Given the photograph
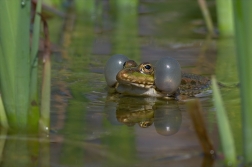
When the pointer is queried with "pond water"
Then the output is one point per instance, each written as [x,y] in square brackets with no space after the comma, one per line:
[89,127]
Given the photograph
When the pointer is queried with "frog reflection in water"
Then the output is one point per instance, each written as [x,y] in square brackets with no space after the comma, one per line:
[144,112]
[166,119]
[164,80]
[139,80]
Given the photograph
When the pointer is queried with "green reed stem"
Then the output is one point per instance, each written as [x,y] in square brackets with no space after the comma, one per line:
[225,17]
[45,97]
[226,136]
[207,16]
[46,83]
[3,117]
[3,134]
[243,34]
[226,63]
[34,101]
[15,60]
[127,15]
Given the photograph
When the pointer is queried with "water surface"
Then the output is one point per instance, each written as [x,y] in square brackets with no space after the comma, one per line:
[91,127]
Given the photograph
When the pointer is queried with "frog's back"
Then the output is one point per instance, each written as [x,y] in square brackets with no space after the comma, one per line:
[192,84]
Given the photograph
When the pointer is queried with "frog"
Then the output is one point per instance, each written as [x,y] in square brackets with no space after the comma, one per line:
[164,80]
[140,81]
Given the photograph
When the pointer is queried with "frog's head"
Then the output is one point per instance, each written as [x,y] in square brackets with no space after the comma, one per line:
[140,76]
[166,76]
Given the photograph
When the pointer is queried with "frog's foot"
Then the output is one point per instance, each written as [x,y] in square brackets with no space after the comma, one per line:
[185,97]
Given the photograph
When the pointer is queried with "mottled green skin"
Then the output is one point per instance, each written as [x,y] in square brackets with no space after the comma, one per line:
[192,84]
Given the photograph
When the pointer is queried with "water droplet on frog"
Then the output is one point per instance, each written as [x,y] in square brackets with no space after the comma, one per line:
[167,75]
[112,67]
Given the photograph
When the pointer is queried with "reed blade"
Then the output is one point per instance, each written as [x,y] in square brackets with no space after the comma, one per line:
[15,60]
[127,16]
[243,35]
[207,16]
[33,117]
[44,122]
[227,140]
[3,117]
[3,135]
[225,17]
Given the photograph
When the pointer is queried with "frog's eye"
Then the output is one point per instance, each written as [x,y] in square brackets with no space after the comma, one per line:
[147,68]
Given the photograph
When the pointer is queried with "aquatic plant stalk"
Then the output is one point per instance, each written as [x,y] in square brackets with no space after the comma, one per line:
[207,16]
[225,17]
[243,35]
[226,63]
[3,134]
[126,17]
[33,117]
[3,117]
[46,83]
[15,60]
[225,132]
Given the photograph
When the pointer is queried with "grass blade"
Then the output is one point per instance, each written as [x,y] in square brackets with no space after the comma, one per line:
[226,136]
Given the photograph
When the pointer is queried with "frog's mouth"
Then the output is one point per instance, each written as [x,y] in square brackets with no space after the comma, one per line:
[142,85]
[135,80]
[137,84]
